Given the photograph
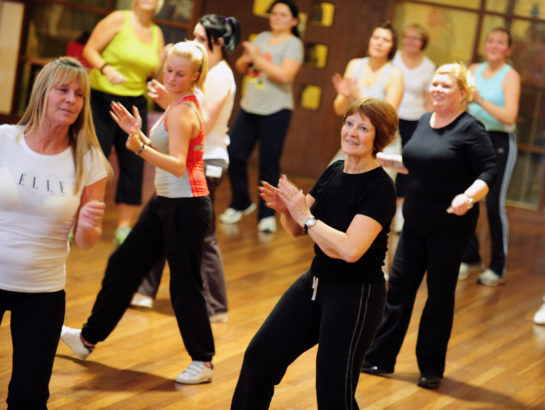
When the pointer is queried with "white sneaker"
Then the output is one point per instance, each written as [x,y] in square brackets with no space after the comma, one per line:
[467,269]
[219,318]
[267,225]
[196,373]
[142,301]
[490,278]
[539,317]
[232,216]
[72,337]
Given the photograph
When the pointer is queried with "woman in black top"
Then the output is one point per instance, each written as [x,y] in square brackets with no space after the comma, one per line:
[450,164]
[338,302]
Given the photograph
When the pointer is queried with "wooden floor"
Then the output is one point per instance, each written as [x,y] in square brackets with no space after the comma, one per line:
[496,356]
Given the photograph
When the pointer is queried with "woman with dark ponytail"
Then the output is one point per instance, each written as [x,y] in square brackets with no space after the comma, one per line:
[219,36]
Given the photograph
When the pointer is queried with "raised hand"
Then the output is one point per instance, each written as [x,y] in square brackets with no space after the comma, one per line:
[124,118]
[272,197]
[159,93]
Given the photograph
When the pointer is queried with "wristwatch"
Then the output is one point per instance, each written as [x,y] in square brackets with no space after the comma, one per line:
[311,221]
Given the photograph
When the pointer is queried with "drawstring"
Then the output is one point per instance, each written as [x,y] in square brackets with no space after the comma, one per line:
[314,287]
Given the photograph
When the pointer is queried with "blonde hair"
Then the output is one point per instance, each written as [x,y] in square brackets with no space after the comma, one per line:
[463,78]
[157,8]
[382,115]
[196,55]
[81,133]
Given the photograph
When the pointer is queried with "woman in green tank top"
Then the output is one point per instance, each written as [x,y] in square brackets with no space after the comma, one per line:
[125,49]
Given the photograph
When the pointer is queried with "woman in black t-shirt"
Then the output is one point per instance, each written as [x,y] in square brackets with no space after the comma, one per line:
[338,302]
[451,164]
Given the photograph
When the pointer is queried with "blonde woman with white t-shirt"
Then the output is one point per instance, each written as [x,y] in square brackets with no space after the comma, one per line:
[52,180]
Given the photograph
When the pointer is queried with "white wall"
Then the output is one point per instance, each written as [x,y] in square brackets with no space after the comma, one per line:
[11,21]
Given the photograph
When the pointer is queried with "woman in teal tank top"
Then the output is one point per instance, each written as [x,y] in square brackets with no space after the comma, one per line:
[125,49]
[496,105]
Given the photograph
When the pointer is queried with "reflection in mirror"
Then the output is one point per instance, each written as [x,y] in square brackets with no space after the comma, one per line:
[322,13]
[316,55]
[310,97]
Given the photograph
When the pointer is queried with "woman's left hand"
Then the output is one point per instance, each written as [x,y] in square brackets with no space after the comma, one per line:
[294,200]
[91,214]
[459,205]
[123,118]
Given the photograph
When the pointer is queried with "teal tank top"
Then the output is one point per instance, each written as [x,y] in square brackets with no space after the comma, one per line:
[491,90]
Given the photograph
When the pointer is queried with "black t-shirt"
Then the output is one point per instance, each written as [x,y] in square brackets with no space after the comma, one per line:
[443,163]
[338,198]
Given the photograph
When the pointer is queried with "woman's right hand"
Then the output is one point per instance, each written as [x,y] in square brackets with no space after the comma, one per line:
[272,197]
[113,76]
[158,92]
[345,86]
[123,118]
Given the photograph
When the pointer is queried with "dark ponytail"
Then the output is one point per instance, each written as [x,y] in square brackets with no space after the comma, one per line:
[227,28]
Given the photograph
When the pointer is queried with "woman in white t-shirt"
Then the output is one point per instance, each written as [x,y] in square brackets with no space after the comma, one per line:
[417,72]
[270,62]
[52,179]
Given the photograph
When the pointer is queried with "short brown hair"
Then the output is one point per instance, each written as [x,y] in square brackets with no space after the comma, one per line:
[382,115]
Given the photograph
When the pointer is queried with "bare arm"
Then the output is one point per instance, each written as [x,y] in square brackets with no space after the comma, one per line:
[182,126]
[284,73]
[394,87]
[243,62]
[88,226]
[346,87]
[393,161]
[102,34]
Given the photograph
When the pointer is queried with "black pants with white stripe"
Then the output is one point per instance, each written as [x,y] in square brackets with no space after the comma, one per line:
[505,146]
[342,320]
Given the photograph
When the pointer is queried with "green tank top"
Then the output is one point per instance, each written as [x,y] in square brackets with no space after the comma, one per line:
[133,58]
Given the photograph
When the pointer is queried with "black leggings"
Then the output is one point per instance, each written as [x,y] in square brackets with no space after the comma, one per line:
[342,321]
[438,253]
[248,129]
[36,322]
[174,227]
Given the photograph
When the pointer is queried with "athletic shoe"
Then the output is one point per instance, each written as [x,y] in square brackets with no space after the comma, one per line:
[467,269]
[490,278]
[72,337]
[142,301]
[218,318]
[267,225]
[539,317]
[121,234]
[232,216]
[196,373]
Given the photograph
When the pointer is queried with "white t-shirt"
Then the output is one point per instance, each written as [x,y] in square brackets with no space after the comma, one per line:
[416,82]
[37,210]
[219,82]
